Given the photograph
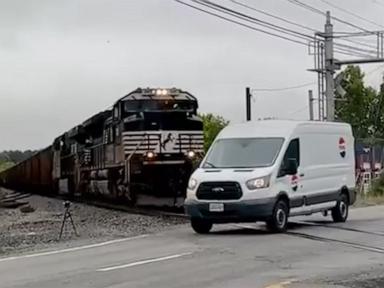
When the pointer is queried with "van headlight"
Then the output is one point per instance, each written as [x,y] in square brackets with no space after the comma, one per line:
[258,183]
[192,184]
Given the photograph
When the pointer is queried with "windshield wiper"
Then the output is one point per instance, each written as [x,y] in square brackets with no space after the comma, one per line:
[209,164]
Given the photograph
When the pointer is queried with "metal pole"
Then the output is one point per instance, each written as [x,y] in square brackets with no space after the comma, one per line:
[329,69]
[310,99]
[322,80]
[248,103]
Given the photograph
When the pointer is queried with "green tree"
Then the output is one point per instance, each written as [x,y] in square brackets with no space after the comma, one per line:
[4,165]
[357,105]
[16,156]
[213,124]
[377,114]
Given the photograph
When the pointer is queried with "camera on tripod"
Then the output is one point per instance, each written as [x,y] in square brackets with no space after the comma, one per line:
[67,215]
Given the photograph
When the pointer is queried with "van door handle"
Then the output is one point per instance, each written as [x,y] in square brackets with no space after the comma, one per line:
[302,175]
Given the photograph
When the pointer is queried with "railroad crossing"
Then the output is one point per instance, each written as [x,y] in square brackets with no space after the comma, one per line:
[315,253]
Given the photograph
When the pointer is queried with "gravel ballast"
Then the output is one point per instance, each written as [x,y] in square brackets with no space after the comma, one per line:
[21,232]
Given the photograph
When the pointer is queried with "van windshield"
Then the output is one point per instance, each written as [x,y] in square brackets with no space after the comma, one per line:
[243,153]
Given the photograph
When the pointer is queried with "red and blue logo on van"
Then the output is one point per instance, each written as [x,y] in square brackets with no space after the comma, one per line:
[342,147]
[294,182]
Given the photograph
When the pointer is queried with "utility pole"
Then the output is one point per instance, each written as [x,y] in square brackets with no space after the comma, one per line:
[326,64]
[310,99]
[248,97]
[329,69]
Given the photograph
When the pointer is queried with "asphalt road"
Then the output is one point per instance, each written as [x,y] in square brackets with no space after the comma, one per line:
[314,254]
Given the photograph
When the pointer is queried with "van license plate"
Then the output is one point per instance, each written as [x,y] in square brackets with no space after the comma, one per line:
[216,207]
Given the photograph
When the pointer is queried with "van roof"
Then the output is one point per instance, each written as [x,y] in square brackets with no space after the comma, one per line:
[279,128]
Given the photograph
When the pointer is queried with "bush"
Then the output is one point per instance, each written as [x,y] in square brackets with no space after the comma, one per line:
[377,188]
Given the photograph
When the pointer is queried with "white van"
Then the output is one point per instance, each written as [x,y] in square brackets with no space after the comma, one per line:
[270,170]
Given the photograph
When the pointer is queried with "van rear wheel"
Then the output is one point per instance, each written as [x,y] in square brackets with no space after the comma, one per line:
[278,223]
[341,211]
[201,226]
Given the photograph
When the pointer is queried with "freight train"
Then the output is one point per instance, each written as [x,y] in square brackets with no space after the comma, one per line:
[139,152]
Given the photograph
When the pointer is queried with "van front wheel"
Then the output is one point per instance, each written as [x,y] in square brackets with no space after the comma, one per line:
[279,221]
[201,226]
[340,212]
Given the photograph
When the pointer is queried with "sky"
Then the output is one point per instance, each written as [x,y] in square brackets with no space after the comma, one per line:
[63,61]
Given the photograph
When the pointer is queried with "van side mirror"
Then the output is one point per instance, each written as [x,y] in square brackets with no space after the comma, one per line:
[291,167]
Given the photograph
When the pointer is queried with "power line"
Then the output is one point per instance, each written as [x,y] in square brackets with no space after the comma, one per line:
[318,11]
[349,52]
[242,24]
[299,110]
[254,20]
[292,22]
[378,3]
[351,13]
[273,16]
[356,48]
[342,50]
[355,34]
[283,89]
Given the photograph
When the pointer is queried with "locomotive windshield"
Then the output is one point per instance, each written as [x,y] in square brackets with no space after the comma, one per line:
[159,105]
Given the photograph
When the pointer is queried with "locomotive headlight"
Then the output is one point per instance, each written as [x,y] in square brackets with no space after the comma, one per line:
[159,92]
[192,184]
[150,155]
[191,154]
[164,92]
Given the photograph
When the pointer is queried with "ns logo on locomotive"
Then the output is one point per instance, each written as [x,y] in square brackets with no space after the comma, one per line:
[141,151]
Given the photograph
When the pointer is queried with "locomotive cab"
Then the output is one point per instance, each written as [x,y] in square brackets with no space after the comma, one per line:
[162,139]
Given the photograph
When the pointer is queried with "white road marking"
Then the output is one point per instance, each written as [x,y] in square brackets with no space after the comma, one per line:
[143,262]
[48,253]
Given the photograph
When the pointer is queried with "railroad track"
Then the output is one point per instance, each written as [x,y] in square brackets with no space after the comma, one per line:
[310,223]
[309,236]
[342,242]
[12,199]
[150,211]
[102,203]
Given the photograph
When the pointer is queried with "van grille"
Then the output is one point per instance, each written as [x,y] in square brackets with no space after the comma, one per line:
[219,191]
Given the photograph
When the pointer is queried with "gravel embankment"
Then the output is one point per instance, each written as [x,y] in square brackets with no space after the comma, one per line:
[20,232]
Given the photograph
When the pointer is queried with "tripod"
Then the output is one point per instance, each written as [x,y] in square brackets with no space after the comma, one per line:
[67,215]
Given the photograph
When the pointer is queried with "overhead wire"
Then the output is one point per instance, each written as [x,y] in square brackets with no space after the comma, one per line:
[283,89]
[299,110]
[343,49]
[355,34]
[273,16]
[356,48]
[350,53]
[242,24]
[236,14]
[378,3]
[351,13]
[247,17]
[292,22]
[318,11]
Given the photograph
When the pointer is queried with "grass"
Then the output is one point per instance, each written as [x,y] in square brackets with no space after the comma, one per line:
[375,196]
[369,200]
